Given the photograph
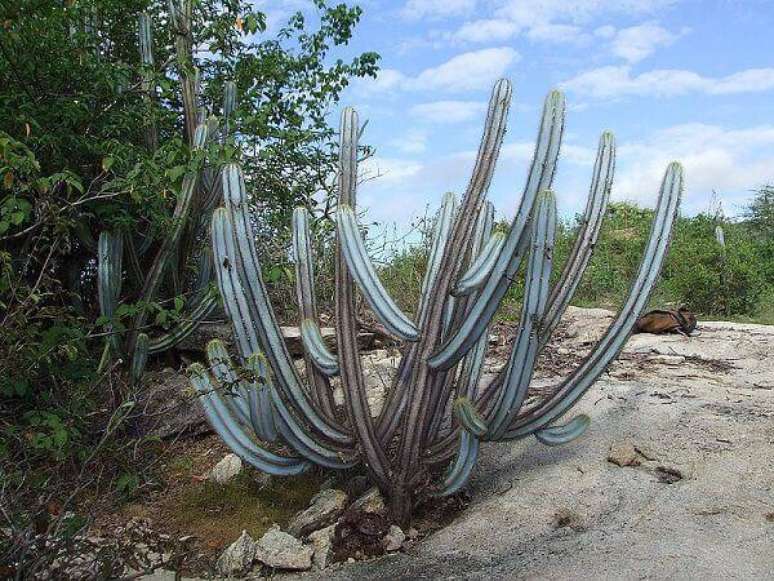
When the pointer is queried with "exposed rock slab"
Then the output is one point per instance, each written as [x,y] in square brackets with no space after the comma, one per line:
[324,508]
[699,505]
[280,550]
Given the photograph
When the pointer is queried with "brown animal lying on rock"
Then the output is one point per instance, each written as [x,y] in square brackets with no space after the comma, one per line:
[657,321]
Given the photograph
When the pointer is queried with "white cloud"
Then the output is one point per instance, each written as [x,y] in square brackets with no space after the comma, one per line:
[730,161]
[464,72]
[558,33]
[545,12]
[412,141]
[485,30]
[435,9]
[448,111]
[618,81]
[638,42]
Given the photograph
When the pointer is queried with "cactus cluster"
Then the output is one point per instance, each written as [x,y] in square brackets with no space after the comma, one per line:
[182,245]
[427,435]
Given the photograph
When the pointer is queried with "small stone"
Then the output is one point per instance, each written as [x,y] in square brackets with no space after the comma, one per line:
[413,534]
[322,541]
[238,558]
[324,508]
[623,454]
[226,470]
[371,502]
[283,551]
[394,538]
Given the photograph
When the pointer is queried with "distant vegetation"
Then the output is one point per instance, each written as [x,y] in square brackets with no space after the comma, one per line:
[735,282]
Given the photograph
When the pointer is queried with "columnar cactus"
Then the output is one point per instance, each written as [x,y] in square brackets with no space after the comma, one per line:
[436,413]
[199,195]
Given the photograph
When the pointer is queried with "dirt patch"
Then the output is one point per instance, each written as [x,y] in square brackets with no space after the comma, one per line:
[207,516]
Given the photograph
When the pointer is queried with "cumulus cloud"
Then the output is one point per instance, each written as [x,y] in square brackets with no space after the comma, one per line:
[731,161]
[485,30]
[618,81]
[448,111]
[638,42]
[463,72]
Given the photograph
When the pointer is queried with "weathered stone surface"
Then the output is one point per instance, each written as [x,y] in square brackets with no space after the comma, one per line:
[322,541]
[372,501]
[238,558]
[169,406]
[226,470]
[280,550]
[394,538]
[624,454]
[700,509]
[324,508]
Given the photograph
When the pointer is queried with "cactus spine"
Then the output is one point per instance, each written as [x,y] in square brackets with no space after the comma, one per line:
[469,271]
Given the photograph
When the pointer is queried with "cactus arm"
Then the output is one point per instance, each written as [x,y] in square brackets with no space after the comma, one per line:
[145,27]
[426,382]
[472,365]
[599,194]
[235,251]
[109,279]
[389,417]
[460,471]
[475,277]
[350,367]
[140,357]
[232,434]
[469,418]
[230,383]
[364,274]
[180,217]
[564,434]
[608,348]
[298,438]
[320,363]
[184,328]
[540,178]
[314,346]
[441,233]
[521,364]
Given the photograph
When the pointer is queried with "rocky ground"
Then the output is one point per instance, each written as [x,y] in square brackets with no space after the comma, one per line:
[674,479]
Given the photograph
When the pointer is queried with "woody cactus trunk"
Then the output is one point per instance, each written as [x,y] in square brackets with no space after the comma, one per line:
[426,437]
[157,271]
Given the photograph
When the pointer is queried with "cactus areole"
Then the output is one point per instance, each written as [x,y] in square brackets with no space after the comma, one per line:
[426,437]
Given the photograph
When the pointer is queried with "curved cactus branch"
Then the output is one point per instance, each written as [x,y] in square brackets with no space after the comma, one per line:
[608,348]
[540,178]
[223,423]
[247,305]
[355,396]
[314,346]
[184,327]
[599,194]
[109,279]
[564,434]
[460,471]
[140,357]
[521,364]
[320,363]
[469,418]
[475,277]
[365,276]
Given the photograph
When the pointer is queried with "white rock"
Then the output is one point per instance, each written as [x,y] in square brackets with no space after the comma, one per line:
[238,558]
[322,541]
[394,538]
[283,551]
[324,508]
[226,470]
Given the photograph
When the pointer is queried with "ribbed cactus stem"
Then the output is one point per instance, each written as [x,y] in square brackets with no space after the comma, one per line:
[599,194]
[540,178]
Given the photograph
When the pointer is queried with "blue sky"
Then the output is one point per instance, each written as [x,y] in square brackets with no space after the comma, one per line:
[691,80]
